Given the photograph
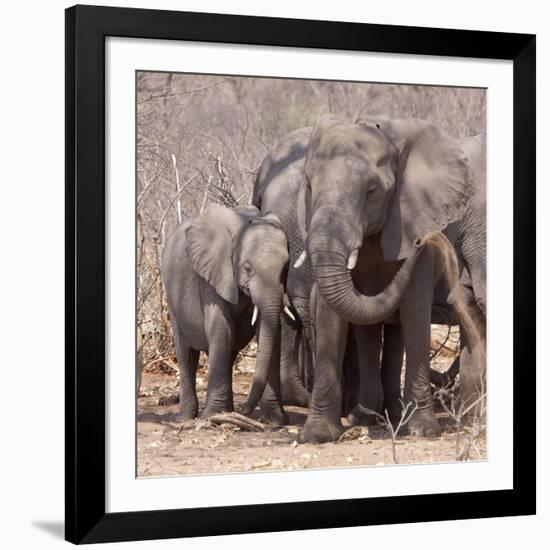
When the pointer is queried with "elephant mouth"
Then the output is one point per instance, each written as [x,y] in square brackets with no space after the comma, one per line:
[287,310]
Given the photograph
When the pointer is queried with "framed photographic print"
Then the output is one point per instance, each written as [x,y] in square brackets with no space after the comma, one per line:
[300,273]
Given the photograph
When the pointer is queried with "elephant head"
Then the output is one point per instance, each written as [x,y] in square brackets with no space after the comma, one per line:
[240,251]
[402,179]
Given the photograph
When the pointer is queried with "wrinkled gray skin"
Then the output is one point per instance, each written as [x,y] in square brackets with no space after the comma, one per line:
[276,190]
[215,268]
[369,194]
[471,249]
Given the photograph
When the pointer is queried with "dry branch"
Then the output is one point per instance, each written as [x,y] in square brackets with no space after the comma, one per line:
[236,419]
[174,198]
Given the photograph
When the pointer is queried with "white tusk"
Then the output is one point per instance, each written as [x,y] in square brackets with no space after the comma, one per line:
[254,315]
[301,259]
[352,260]
[289,313]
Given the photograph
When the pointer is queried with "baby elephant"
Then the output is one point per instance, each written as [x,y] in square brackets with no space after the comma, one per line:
[220,270]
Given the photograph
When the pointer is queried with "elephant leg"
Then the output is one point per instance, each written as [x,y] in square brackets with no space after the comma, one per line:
[188,360]
[271,409]
[219,394]
[472,371]
[472,383]
[350,376]
[292,389]
[371,396]
[323,423]
[221,355]
[415,313]
[392,365]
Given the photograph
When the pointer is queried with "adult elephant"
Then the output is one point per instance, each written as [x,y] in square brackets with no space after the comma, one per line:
[469,298]
[220,269]
[276,191]
[370,195]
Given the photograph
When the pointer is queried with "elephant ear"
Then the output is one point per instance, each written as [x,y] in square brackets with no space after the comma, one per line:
[433,184]
[273,219]
[210,244]
[249,212]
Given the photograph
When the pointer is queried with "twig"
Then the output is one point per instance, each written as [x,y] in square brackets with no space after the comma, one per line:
[178,188]
[152,97]
[457,415]
[168,360]
[201,210]
[239,420]
[406,415]
[163,219]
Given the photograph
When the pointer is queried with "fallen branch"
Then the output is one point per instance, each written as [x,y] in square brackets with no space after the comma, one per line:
[243,422]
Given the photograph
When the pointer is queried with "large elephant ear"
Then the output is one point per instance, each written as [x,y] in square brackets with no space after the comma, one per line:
[433,184]
[210,244]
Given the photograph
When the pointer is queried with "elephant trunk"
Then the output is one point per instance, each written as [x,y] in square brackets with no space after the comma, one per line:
[268,345]
[329,257]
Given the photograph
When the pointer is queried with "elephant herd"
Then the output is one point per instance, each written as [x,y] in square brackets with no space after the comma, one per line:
[360,235]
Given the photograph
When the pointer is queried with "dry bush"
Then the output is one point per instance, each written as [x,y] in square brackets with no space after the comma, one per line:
[201,139]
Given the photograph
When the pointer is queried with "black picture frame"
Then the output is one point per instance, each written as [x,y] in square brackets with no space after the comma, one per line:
[85,516]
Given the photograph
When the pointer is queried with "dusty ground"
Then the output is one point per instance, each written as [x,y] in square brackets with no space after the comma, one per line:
[198,447]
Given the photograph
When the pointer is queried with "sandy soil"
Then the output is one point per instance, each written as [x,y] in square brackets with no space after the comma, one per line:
[199,447]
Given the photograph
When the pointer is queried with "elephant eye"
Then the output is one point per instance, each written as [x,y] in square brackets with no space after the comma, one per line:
[247,267]
[383,160]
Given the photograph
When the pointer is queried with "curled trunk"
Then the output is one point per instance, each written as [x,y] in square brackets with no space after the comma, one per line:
[329,257]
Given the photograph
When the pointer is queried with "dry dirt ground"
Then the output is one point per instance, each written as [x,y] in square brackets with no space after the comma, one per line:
[166,447]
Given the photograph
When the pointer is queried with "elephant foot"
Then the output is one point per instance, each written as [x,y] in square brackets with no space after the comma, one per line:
[273,415]
[187,411]
[212,409]
[183,416]
[320,430]
[359,416]
[424,424]
[189,406]
[245,409]
[168,400]
[295,394]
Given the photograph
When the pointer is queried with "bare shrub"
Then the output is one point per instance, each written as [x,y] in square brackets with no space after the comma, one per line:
[467,435]
[201,139]
[384,419]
